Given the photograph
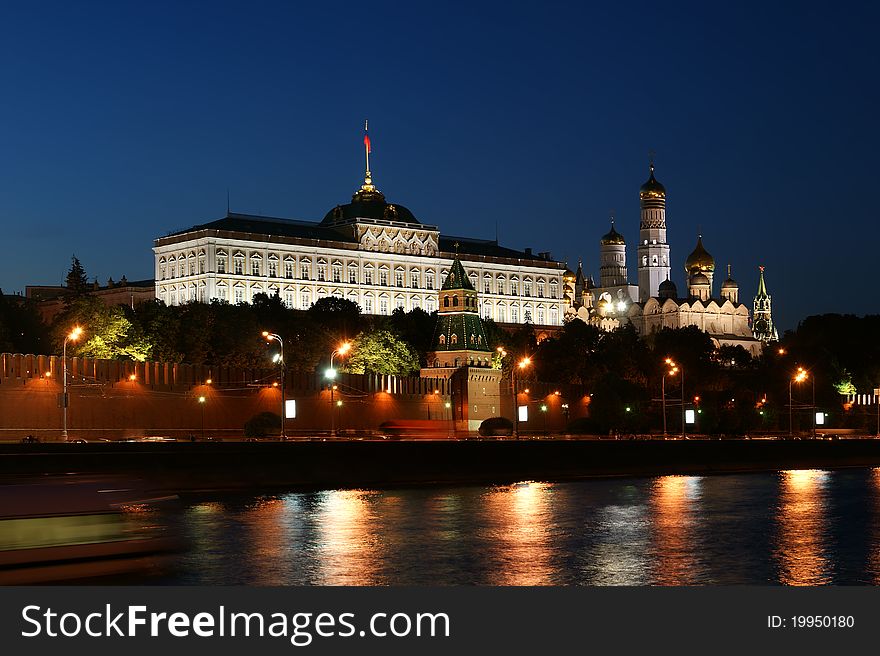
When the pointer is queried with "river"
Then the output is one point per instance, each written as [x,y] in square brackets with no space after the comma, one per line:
[805,527]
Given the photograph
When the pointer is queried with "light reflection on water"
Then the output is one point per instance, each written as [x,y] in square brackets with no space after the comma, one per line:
[793,528]
[802,528]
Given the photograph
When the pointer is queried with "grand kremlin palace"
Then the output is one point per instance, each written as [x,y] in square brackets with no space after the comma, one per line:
[369,251]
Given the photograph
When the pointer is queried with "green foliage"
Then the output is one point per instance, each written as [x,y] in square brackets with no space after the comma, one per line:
[107,331]
[845,384]
[382,352]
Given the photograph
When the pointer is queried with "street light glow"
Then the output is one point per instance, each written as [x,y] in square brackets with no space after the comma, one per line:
[343,349]
[75,333]
[201,399]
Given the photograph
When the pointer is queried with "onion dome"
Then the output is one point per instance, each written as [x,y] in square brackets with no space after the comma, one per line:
[613,237]
[667,289]
[568,275]
[652,188]
[699,260]
[730,283]
[699,279]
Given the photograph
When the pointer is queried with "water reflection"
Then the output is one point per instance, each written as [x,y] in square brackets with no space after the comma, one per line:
[802,527]
[620,524]
[519,520]
[673,502]
[349,547]
[793,527]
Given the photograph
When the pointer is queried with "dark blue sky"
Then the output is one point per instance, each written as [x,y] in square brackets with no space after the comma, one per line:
[121,123]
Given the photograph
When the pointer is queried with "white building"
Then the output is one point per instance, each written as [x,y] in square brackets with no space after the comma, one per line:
[374,253]
[655,304]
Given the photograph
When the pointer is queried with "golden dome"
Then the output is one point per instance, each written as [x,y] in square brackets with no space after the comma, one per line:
[652,188]
[613,237]
[699,260]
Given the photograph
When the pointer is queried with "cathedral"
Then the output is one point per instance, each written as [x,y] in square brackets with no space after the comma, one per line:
[655,302]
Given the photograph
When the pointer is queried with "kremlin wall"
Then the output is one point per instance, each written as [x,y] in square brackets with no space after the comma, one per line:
[112,399]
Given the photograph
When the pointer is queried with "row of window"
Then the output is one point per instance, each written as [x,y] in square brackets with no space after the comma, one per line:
[499,285]
[303,299]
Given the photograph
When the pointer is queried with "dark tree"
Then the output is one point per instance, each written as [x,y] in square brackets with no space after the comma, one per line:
[77,281]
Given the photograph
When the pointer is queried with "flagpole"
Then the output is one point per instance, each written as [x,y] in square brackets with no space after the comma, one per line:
[367,146]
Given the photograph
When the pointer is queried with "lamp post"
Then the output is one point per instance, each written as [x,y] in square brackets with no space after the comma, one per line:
[331,375]
[671,372]
[269,337]
[799,377]
[73,335]
[522,364]
[202,404]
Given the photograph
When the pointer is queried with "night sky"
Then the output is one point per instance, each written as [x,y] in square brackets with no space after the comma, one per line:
[119,124]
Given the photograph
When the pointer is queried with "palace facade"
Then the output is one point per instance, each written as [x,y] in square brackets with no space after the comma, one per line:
[369,251]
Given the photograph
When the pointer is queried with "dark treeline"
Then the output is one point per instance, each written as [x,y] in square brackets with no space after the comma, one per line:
[732,392]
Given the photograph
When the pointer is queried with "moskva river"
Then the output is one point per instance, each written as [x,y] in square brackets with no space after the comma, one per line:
[806,527]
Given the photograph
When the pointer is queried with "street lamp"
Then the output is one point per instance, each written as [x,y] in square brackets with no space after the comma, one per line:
[73,335]
[344,348]
[202,404]
[799,377]
[671,372]
[522,364]
[279,358]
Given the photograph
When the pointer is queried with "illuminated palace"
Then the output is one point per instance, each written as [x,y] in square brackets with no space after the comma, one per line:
[372,252]
[655,302]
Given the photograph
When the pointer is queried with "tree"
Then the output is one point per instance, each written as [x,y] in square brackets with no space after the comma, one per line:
[107,332]
[382,352]
[415,327]
[21,328]
[338,317]
[77,280]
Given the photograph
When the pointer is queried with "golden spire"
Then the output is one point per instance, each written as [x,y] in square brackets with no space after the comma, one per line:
[368,179]
[368,191]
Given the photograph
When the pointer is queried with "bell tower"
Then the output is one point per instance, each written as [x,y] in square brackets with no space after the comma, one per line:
[653,250]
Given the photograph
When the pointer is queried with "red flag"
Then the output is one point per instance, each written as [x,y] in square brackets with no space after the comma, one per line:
[367,143]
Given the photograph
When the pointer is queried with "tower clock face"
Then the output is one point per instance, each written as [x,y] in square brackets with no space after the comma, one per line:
[760,325]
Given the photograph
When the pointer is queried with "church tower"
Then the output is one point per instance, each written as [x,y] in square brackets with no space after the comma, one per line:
[612,259]
[729,289]
[653,250]
[762,324]
[459,338]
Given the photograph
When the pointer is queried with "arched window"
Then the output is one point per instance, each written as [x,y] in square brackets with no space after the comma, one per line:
[446,302]
[442,340]
[454,339]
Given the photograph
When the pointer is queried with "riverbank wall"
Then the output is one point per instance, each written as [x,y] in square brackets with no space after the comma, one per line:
[180,467]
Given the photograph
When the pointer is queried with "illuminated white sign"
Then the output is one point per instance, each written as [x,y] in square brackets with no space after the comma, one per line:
[523,413]
[290,409]
[820,418]
[690,417]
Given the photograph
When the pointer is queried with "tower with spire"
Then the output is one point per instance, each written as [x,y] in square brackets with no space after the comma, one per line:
[459,336]
[762,317]
[460,353]
[653,250]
